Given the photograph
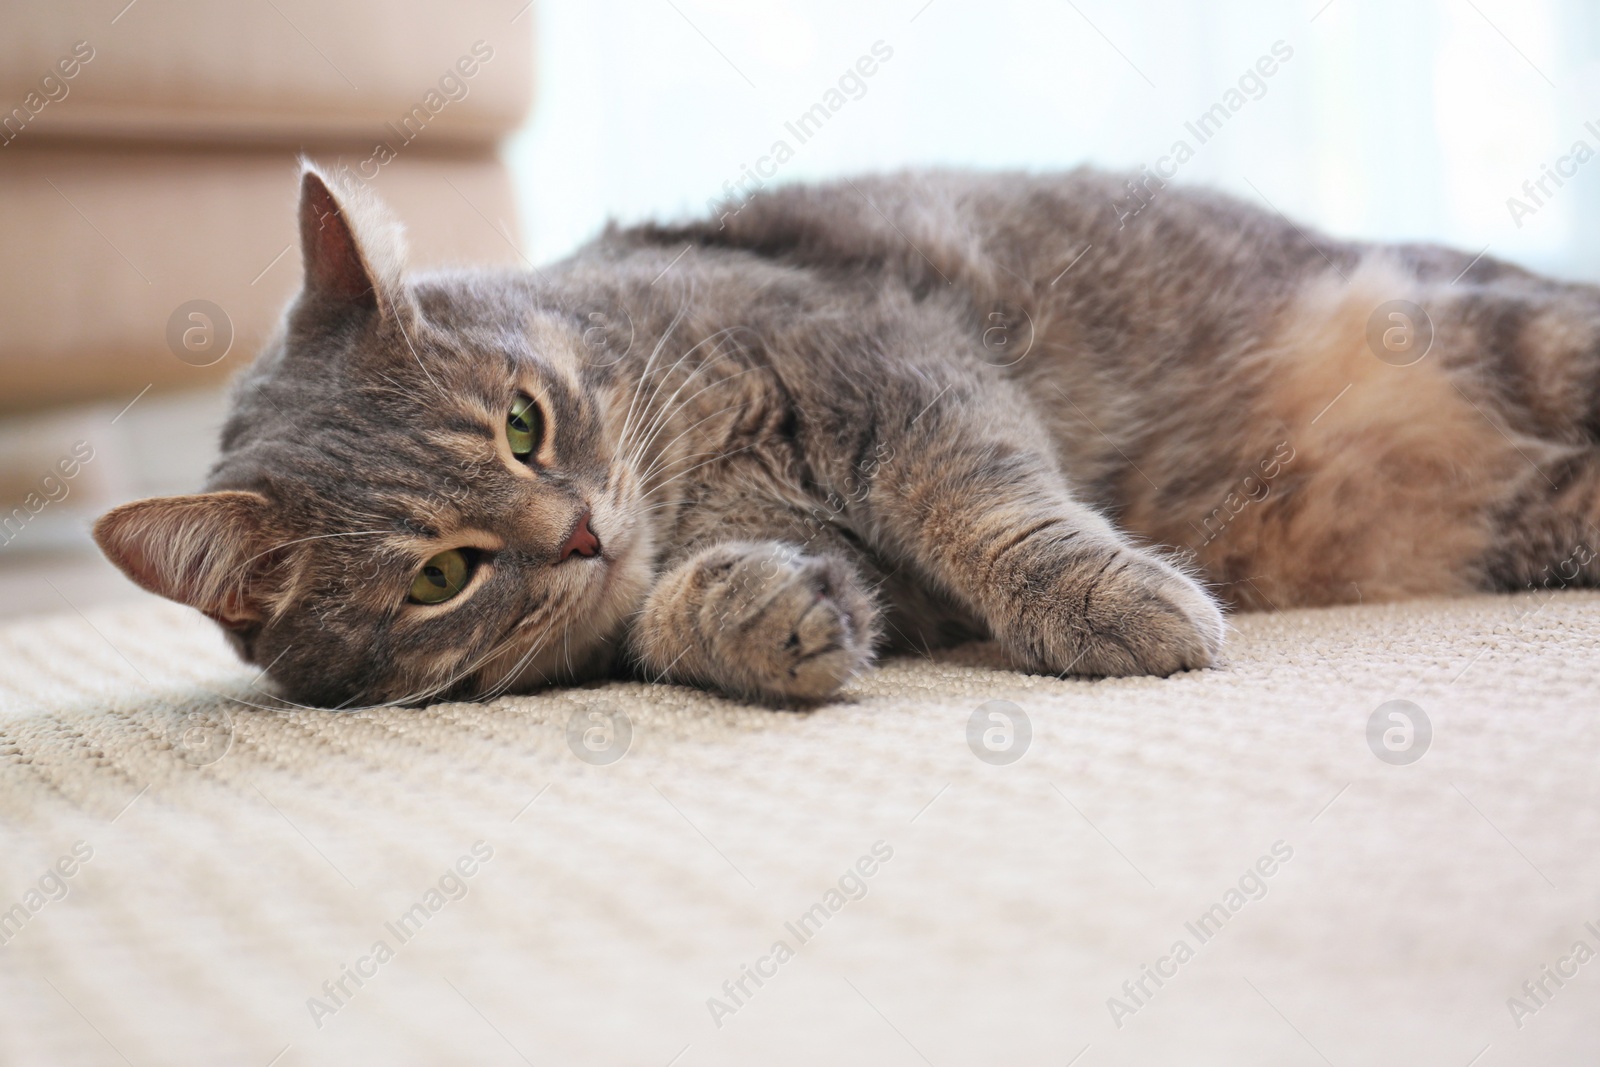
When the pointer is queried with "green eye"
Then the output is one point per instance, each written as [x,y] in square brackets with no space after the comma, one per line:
[524,427]
[441,578]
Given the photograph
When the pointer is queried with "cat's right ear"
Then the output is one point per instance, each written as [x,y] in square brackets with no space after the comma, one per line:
[205,550]
[352,249]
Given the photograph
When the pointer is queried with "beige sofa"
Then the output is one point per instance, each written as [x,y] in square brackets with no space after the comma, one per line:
[147,160]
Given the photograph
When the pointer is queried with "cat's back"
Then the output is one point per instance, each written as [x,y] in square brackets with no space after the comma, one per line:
[1061,236]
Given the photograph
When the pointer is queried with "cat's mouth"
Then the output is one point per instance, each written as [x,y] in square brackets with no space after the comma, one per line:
[613,563]
[542,651]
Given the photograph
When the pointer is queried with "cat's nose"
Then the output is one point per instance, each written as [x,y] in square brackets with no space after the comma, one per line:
[580,542]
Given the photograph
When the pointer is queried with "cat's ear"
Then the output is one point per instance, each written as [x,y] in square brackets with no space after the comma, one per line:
[201,550]
[352,248]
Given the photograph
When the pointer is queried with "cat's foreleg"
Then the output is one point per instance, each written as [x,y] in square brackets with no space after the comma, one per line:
[970,498]
[758,619]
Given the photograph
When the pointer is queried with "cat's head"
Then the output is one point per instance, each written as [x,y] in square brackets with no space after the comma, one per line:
[419,492]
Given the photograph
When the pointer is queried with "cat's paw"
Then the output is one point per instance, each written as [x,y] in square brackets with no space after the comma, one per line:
[1132,613]
[784,625]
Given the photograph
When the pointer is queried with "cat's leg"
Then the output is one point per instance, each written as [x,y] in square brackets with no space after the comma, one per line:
[1548,535]
[767,620]
[1527,352]
[966,494]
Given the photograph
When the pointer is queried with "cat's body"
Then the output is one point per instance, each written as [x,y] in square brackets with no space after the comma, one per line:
[902,410]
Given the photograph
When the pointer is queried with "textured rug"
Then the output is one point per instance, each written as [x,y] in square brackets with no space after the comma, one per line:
[1372,836]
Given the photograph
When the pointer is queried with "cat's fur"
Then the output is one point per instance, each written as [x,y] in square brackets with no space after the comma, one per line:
[896,411]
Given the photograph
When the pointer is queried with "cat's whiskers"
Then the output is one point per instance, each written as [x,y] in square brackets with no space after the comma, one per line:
[490,692]
[703,457]
[516,669]
[509,678]
[398,321]
[720,455]
[494,650]
[666,377]
[644,376]
[665,460]
[649,364]
[665,450]
[554,619]
[634,451]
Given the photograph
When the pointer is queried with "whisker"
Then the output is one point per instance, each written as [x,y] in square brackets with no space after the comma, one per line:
[644,375]
[420,365]
[510,677]
[638,453]
[697,466]
[666,378]
[665,460]
[665,466]
[458,675]
[666,375]
[419,697]
[559,622]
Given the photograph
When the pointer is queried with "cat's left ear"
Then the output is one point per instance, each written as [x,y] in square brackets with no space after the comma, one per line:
[210,550]
[352,248]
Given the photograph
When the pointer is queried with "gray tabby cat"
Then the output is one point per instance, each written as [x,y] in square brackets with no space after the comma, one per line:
[747,452]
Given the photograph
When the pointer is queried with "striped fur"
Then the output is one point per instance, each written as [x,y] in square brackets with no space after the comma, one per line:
[889,413]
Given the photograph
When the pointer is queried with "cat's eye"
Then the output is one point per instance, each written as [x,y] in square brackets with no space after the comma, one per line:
[524,427]
[441,578]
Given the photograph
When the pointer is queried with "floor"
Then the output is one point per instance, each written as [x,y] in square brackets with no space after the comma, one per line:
[964,865]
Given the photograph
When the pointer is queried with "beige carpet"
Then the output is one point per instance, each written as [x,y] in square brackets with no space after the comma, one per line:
[224,873]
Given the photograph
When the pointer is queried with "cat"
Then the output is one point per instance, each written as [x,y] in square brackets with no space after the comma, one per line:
[748,452]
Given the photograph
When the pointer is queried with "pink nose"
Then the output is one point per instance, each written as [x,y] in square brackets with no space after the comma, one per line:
[580,542]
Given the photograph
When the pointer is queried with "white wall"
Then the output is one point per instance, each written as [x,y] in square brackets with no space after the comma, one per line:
[1392,118]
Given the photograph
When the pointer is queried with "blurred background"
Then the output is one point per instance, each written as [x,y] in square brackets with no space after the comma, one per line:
[147,174]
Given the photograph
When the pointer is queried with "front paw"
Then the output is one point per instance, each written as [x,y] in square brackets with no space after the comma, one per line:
[1127,612]
[783,625]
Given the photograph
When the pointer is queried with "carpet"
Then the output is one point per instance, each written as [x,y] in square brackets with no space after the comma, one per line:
[1370,836]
